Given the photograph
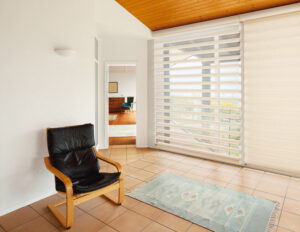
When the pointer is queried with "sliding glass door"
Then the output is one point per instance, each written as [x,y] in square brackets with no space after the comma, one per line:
[198,92]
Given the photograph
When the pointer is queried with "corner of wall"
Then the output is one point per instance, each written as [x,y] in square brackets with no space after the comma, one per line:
[151,102]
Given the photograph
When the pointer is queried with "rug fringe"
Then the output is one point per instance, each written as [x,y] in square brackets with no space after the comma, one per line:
[272,219]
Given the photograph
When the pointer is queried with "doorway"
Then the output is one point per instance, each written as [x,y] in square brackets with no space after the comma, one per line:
[121,104]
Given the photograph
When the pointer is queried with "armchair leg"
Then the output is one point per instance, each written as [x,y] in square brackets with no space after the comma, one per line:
[69,212]
[72,200]
[67,221]
[121,191]
[120,198]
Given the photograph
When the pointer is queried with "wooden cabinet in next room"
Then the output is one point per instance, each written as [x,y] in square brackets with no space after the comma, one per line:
[115,104]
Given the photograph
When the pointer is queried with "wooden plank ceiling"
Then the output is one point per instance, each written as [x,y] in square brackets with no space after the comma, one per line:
[162,14]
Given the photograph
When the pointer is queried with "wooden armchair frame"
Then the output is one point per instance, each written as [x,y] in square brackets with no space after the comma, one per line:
[75,199]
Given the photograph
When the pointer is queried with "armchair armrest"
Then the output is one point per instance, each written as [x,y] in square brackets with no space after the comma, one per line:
[65,179]
[116,164]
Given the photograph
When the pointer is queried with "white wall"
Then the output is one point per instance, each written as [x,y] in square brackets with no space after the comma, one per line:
[39,89]
[126,83]
[126,49]
[112,19]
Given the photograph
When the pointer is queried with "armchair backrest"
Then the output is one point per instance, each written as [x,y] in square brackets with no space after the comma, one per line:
[71,150]
[130,100]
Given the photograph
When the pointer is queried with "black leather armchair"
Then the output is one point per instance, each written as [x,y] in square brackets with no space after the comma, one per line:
[73,160]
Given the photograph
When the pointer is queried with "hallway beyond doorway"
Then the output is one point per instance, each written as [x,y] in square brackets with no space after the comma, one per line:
[126,118]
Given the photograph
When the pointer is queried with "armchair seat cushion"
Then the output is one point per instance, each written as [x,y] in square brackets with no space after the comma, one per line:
[90,183]
[126,106]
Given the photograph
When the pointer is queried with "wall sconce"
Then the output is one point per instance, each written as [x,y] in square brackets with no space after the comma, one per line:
[65,52]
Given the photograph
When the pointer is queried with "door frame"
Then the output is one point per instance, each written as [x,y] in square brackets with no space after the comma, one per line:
[108,64]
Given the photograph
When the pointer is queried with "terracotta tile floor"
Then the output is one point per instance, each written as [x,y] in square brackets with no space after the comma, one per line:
[142,165]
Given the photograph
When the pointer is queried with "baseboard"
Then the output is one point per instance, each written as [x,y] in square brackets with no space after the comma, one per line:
[3,212]
[141,146]
[98,147]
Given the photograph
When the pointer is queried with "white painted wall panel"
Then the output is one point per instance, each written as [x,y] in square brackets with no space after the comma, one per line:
[39,89]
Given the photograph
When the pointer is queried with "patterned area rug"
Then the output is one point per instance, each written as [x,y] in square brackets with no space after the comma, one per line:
[216,208]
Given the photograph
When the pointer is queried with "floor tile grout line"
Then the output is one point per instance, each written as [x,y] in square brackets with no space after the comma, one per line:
[93,206]
[119,217]
[155,165]
[269,193]
[111,227]
[147,226]
[187,229]
[258,182]
[55,229]
[1,227]
[135,177]
[52,223]
[140,168]
[151,221]
[88,213]
[296,214]
[163,211]
[39,215]
[42,215]
[156,218]
[285,229]
[255,189]
[282,205]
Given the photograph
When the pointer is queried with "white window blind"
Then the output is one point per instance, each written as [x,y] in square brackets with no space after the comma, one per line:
[198,91]
[272,93]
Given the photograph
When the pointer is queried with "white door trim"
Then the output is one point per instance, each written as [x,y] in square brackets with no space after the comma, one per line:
[96,76]
[107,64]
